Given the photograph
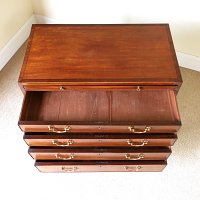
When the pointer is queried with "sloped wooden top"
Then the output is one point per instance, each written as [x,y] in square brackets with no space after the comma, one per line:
[128,54]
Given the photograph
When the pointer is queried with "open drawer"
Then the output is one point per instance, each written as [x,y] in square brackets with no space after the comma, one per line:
[127,111]
[100,166]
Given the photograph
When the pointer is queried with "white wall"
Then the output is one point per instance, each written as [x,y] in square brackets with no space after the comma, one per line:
[13,15]
[183,16]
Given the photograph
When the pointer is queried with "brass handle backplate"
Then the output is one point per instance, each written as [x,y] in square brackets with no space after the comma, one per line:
[65,157]
[129,157]
[69,169]
[62,144]
[133,130]
[135,168]
[135,144]
[57,130]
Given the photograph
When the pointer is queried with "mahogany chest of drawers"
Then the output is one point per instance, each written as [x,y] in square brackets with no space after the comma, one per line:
[100,97]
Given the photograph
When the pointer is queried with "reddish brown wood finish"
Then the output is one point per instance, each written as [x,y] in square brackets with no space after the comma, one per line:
[101,110]
[62,87]
[128,54]
[39,126]
[99,139]
[99,153]
[100,95]
[101,166]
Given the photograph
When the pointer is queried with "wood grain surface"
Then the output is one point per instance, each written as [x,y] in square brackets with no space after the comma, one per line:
[127,54]
[101,107]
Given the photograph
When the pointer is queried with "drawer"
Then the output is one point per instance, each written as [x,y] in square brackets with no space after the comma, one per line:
[100,111]
[100,166]
[99,153]
[99,139]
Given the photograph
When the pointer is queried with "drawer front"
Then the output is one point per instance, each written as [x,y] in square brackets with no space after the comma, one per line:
[138,129]
[81,139]
[87,153]
[100,166]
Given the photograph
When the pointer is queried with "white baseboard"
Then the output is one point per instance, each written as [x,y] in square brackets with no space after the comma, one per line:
[185,60]
[15,42]
[46,20]
[188,61]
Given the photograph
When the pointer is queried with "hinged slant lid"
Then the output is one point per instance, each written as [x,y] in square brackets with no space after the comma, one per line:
[126,54]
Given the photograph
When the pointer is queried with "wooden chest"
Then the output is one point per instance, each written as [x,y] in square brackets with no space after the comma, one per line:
[100,97]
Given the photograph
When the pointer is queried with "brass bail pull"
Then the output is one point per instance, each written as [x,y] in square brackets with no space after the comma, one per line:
[129,157]
[134,144]
[62,144]
[65,157]
[133,130]
[57,130]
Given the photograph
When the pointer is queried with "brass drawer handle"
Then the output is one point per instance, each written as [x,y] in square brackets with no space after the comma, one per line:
[132,129]
[134,144]
[62,144]
[139,157]
[69,169]
[56,130]
[64,157]
[136,168]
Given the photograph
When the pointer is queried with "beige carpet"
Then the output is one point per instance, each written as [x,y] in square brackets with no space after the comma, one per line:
[18,177]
